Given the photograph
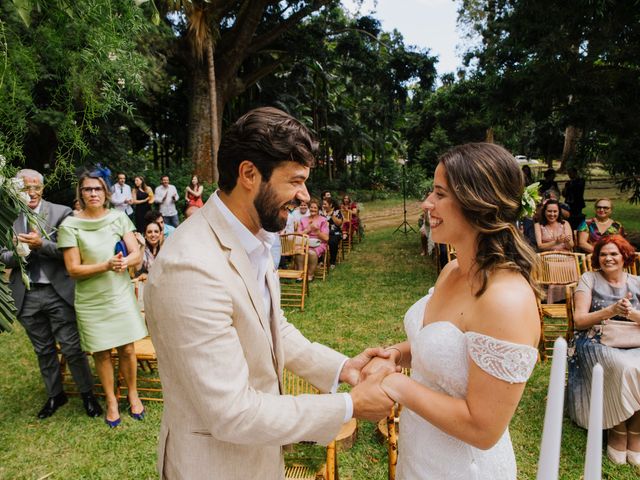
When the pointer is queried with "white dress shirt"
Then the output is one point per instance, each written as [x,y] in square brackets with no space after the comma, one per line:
[120,194]
[166,197]
[258,249]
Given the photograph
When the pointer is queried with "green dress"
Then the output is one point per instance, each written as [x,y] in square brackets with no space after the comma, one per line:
[106,307]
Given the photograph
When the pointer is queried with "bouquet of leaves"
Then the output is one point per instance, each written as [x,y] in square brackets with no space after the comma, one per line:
[13,202]
[530,200]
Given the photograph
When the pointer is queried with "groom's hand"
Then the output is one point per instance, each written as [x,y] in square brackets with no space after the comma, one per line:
[370,402]
[351,371]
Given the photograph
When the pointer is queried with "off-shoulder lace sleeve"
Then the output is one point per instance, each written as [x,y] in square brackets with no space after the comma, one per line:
[511,362]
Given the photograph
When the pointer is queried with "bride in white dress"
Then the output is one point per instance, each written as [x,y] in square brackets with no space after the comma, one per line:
[471,340]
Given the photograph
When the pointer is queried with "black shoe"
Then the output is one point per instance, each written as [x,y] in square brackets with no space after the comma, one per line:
[91,405]
[52,405]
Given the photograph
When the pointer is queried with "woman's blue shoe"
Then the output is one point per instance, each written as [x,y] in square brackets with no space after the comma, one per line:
[112,423]
[136,416]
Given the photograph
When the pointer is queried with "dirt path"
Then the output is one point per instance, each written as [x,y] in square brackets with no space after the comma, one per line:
[392,217]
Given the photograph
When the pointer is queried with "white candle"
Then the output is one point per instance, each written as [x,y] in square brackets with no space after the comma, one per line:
[593,460]
[549,461]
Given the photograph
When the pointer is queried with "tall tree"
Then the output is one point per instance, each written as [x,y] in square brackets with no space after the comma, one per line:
[235,38]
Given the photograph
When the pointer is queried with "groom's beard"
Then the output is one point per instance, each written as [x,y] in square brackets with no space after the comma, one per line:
[268,209]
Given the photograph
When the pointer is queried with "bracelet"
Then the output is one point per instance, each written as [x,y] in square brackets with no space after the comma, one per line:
[396,349]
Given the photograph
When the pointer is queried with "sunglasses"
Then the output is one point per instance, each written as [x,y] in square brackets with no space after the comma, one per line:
[598,207]
[33,188]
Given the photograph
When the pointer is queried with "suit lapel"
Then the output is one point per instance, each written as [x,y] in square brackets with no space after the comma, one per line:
[240,261]
[274,291]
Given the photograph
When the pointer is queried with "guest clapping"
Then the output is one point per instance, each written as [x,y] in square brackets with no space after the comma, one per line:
[106,309]
[317,228]
[193,193]
[608,293]
[553,232]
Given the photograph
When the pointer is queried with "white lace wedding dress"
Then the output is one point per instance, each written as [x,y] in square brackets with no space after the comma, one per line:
[440,360]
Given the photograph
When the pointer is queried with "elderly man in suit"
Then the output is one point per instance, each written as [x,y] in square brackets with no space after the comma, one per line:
[213,309]
[45,310]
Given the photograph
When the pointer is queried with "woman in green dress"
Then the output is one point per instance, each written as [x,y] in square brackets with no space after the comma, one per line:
[106,308]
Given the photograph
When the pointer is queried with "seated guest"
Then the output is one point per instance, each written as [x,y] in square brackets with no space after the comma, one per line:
[293,221]
[153,238]
[593,229]
[552,232]
[317,227]
[156,216]
[348,205]
[76,207]
[608,293]
[331,211]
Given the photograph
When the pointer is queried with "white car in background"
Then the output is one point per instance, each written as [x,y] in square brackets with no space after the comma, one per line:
[521,159]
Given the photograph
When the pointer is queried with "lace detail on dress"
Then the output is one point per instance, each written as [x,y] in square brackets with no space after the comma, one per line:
[506,361]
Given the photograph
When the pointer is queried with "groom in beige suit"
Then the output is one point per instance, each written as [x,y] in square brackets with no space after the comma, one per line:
[213,309]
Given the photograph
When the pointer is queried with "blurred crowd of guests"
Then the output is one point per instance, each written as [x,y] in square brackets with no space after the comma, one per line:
[80,263]
[326,222]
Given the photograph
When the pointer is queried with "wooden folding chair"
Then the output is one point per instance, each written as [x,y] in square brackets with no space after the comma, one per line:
[322,269]
[294,283]
[388,430]
[557,268]
[347,236]
[309,470]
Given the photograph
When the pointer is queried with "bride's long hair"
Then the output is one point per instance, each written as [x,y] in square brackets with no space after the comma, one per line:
[488,183]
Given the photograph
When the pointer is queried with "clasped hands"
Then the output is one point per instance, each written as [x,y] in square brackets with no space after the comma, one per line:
[366,372]
[118,263]
[623,307]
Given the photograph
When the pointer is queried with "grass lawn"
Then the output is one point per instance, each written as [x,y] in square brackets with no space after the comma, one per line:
[362,304]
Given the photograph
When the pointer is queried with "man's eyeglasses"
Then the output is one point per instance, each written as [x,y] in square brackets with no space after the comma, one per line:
[33,188]
[92,189]
[599,207]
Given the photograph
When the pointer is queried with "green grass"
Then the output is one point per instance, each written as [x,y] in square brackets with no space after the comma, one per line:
[362,304]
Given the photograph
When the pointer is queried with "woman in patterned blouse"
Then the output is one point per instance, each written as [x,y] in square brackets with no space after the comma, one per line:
[593,229]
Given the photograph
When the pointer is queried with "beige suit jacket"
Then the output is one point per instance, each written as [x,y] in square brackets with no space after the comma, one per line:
[221,359]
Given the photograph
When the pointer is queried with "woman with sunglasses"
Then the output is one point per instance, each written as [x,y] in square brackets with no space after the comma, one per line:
[106,308]
[594,229]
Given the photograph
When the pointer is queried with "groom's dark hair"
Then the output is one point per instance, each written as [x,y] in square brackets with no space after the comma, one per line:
[266,137]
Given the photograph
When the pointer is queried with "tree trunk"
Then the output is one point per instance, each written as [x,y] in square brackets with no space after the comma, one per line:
[571,137]
[213,112]
[200,139]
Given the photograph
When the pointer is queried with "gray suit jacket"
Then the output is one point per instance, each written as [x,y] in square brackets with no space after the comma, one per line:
[48,257]
[221,358]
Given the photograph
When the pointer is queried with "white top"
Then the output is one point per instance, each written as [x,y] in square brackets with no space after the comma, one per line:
[166,197]
[440,354]
[120,194]
[293,218]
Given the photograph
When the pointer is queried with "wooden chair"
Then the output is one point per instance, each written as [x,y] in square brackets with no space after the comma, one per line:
[322,269]
[557,268]
[328,470]
[293,282]
[347,237]
[388,430]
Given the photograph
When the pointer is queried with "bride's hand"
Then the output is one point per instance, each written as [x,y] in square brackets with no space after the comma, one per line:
[392,385]
[351,372]
[377,364]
